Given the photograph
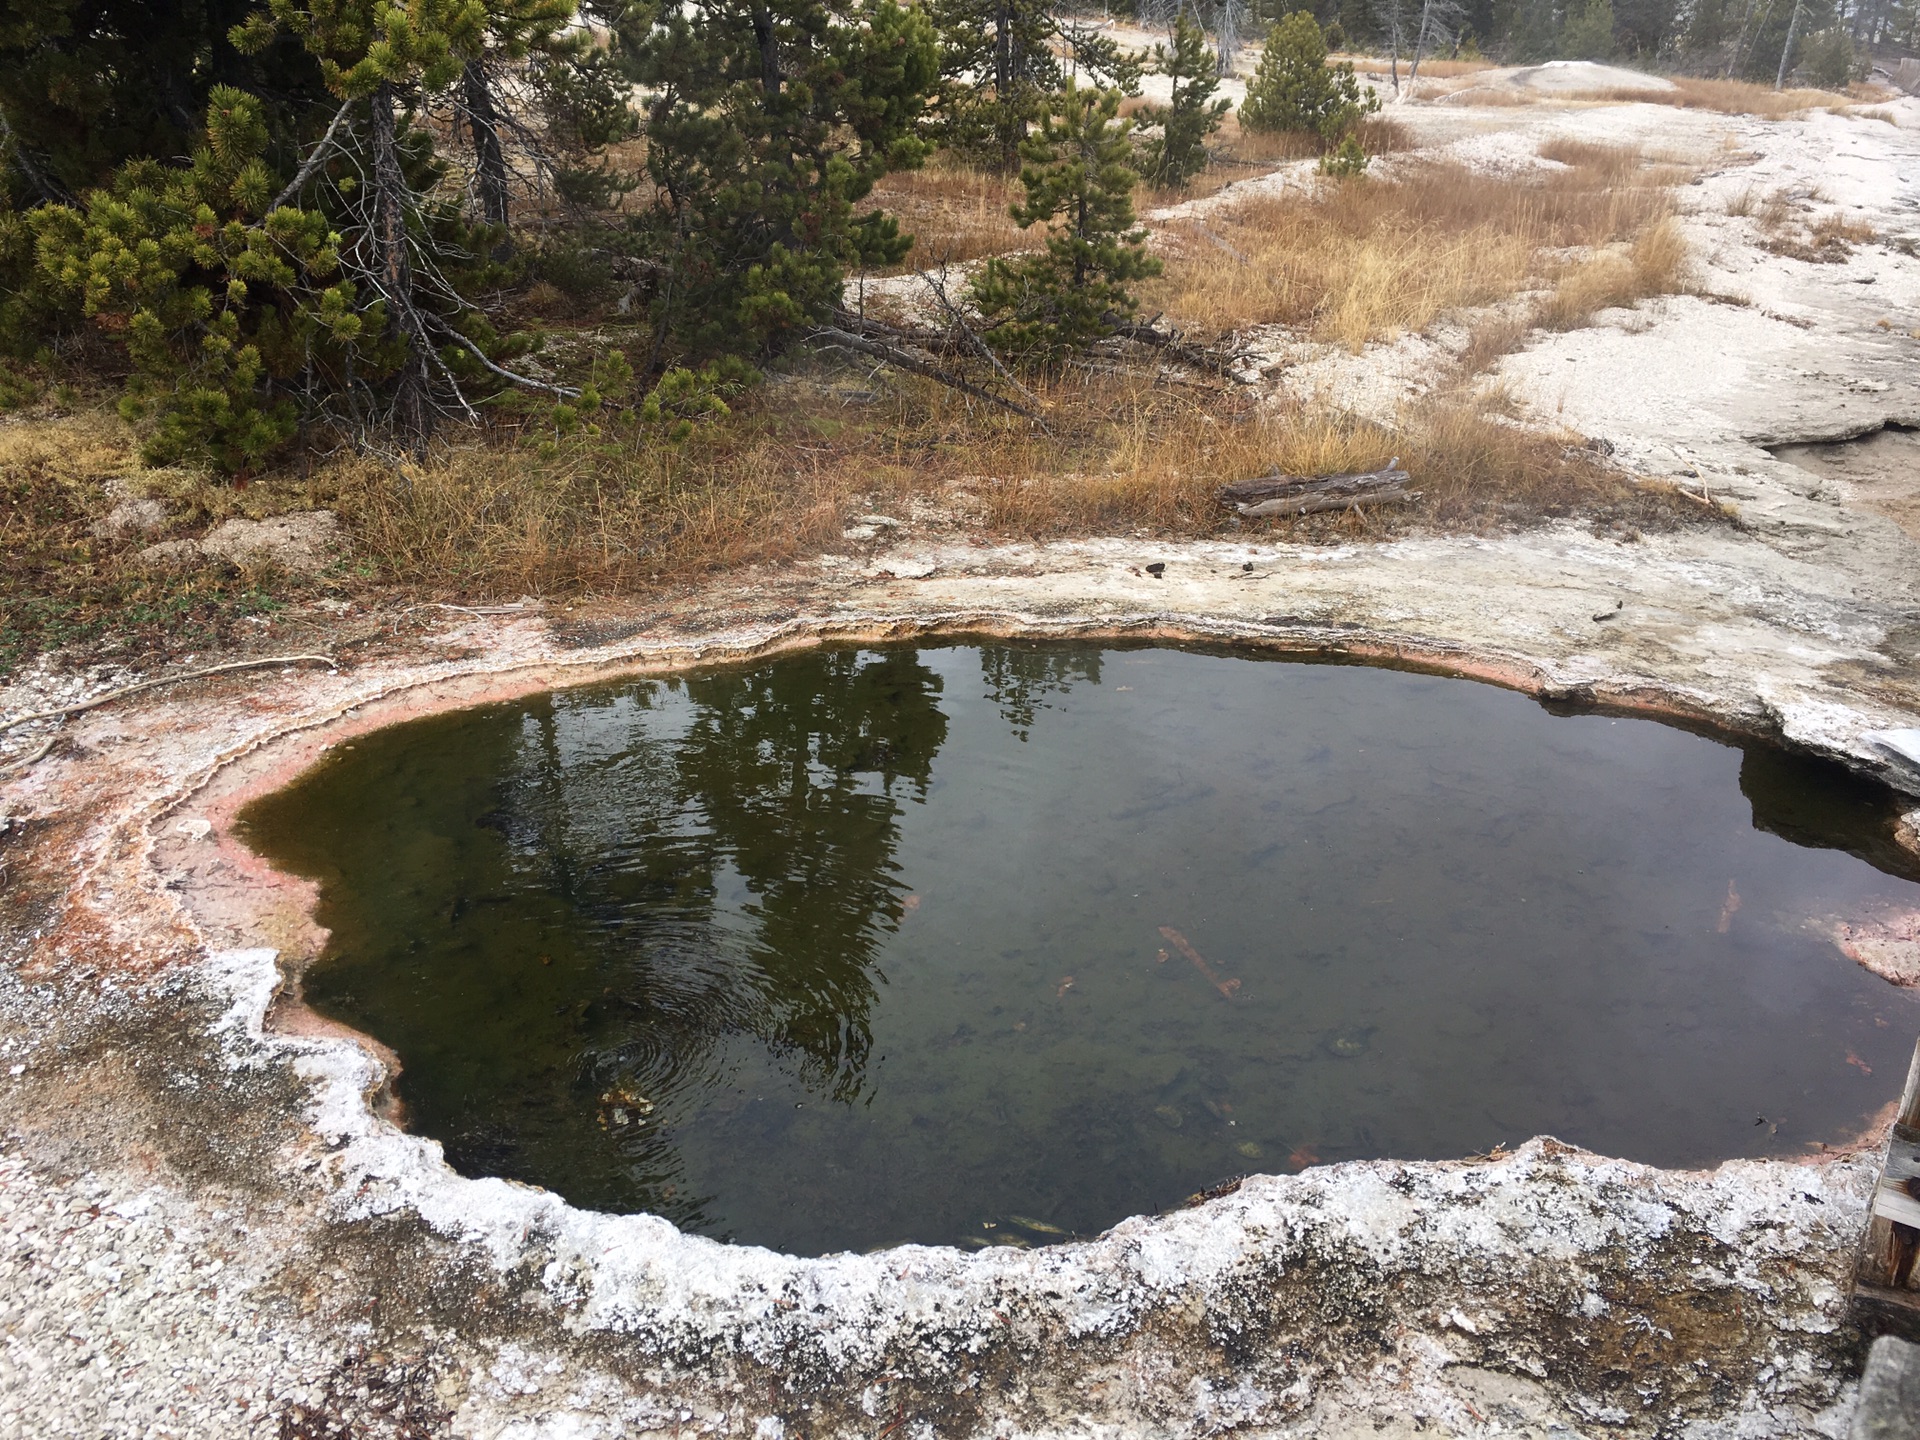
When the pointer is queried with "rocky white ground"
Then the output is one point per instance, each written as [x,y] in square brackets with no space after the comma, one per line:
[206,1231]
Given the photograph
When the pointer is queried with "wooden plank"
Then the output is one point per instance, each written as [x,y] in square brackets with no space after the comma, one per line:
[1886,1289]
[1880,1311]
[1909,1115]
[1903,1158]
[1893,1201]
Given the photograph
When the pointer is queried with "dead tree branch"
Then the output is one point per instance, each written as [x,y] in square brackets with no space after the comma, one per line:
[315,158]
[957,323]
[1176,345]
[51,191]
[915,364]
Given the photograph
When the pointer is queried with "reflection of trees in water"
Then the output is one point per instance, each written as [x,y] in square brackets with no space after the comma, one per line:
[785,782]
[1020,677]
[797,768]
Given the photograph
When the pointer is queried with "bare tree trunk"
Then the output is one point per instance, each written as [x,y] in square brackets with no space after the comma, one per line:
[489,161]
[1786,50]
[412,404]
[1012,131]
[1227,33]
[769,46]
[1419,43]
[1393,39]
[1739,40]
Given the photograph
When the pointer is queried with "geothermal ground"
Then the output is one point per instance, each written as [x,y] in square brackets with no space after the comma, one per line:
[208,1230]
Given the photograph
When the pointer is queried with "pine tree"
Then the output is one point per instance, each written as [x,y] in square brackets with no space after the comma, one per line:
[515,30]
[205,285]
[1079,182]
[1531,29]
[1644,28]
[1827,58]
[998,66]
[385,62]
[259,280]
[1295,90]
[1587,32]
[1179,151]
[86,85]
[768,121]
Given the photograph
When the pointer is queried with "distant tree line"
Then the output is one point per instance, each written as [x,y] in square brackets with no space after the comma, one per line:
[1742,39]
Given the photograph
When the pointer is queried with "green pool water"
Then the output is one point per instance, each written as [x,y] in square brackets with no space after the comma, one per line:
[996,943]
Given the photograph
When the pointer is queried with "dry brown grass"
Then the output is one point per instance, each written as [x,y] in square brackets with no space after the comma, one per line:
[624,512]
[1126,454]
[1729,97]
[1369,261]
[1236,147]
[1839,228]
[1790,225]
[955,213]
[62,584]
[1238,154]
[1653,264]
[1496,96]
[497,518]
[1166,461]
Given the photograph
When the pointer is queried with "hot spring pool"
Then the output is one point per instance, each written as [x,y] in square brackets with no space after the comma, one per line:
[997,943]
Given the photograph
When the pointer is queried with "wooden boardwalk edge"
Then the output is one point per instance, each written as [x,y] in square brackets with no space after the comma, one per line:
[1886,1287]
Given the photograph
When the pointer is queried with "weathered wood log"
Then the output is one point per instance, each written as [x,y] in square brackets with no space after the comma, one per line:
[902,358]
[1314,505]
[1886,1290]
[1265,495]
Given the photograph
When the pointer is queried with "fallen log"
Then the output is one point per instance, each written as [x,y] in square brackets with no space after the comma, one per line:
[1266,495]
